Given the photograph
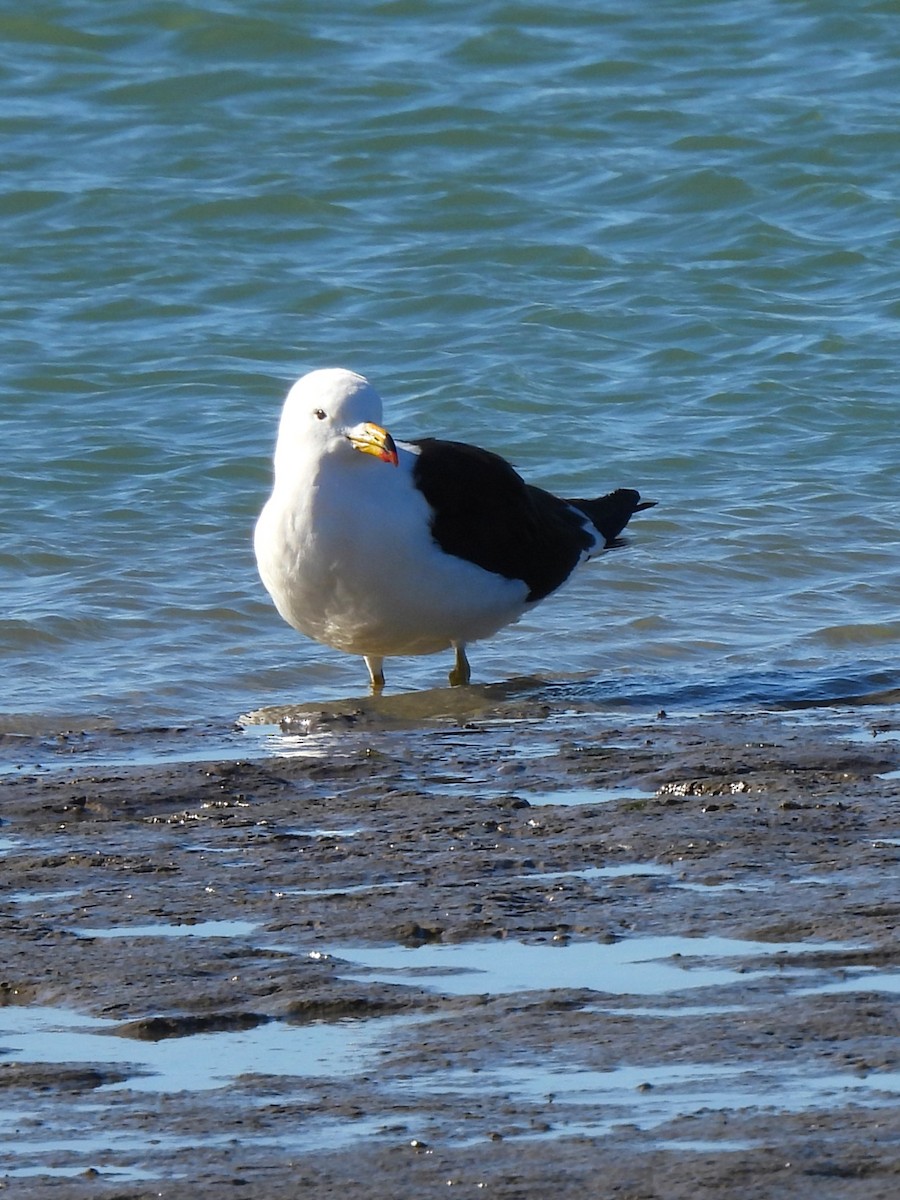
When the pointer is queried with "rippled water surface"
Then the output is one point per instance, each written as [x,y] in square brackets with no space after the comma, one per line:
[653,245]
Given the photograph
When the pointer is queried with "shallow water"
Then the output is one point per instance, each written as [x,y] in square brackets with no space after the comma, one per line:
[196,929]
[586,796]
[649,245]
[648,966]
[579,1101]
[619,871]
[646,1096]
[196,1062]
[866,979]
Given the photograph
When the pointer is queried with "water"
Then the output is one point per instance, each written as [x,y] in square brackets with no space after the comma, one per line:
[651,244]
[195,1062]
[672,1091]
[582,1101]
[649,966]
[197,929]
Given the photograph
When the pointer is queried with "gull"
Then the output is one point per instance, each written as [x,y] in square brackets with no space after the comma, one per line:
[379,547]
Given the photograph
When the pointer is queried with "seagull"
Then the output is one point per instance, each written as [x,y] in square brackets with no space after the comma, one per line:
[383,548]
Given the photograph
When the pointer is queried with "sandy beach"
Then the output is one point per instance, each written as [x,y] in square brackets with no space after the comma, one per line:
[461,944]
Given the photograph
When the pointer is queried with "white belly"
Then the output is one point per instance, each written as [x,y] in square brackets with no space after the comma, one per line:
[369,579]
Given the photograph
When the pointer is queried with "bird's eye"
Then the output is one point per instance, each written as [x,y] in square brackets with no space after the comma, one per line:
[320,414]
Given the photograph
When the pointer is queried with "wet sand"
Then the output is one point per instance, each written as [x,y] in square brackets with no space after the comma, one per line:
[465,941]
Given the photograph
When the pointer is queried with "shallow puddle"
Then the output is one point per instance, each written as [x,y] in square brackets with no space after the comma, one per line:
[113,1174]
[195,1062]
[54,754]
[585,795]
[573,1100]
[667,1012]
[753,885]
[635,966]
[356,889]
[488,789]
[198,929]
[43,897]
[650,1096]
[291,745]
[317,832]
[97,1147]
[698,1146]
[859,979]
[619,871]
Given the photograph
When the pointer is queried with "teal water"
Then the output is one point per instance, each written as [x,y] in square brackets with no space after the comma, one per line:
[654,245]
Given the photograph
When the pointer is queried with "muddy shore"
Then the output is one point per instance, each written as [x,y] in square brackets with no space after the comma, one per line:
[491,949]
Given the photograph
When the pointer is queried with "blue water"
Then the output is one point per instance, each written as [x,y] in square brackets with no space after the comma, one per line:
[654,245]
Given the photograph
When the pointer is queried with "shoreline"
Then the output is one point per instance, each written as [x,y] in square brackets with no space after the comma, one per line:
[420,927]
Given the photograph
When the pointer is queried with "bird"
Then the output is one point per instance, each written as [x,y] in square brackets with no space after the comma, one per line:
[383,548]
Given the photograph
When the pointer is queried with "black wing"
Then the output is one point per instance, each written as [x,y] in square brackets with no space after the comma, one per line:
[484,512]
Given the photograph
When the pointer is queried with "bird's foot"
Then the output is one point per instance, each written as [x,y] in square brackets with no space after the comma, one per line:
[462,672]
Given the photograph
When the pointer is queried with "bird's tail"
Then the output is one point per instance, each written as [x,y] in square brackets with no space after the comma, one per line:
[610,514]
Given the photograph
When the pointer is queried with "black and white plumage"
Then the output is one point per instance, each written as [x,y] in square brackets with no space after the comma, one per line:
[409,547]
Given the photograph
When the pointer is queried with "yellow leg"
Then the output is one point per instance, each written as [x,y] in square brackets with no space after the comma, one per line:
[462,672]
[376,674]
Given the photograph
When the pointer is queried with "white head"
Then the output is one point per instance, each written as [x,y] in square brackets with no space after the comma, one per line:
[327,412]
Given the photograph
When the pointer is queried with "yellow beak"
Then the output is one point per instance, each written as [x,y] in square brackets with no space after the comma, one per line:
[372,439]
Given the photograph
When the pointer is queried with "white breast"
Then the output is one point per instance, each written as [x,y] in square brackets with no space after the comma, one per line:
[348,559]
